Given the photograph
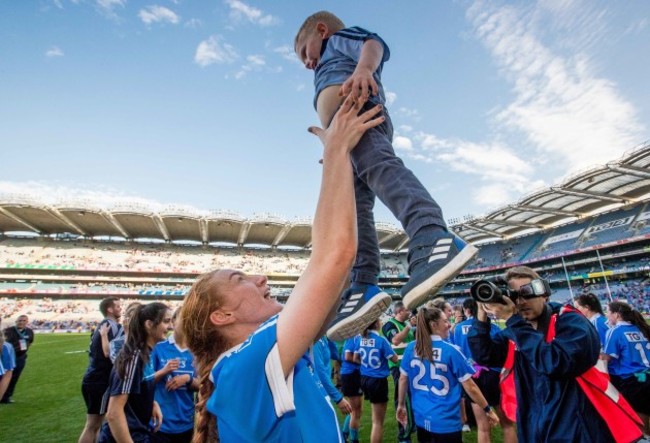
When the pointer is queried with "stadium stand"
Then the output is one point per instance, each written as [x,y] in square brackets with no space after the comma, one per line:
[589,233]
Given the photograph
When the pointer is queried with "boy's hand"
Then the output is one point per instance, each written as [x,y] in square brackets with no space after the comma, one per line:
[359,83]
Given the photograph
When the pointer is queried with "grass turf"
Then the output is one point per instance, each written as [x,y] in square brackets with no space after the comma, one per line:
[49,407]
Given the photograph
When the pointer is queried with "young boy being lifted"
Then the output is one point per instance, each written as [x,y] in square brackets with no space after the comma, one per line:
[351,59]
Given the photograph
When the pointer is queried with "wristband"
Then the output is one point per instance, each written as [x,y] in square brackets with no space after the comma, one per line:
[487,409]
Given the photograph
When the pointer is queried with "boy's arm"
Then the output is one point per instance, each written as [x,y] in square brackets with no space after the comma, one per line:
[371,56]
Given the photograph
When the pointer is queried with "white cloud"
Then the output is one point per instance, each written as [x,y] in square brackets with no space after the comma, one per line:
[402,143]
[54,51]
[563,109]
[638,26]
[256,60]
[240,10]
[287,53]
[193,23]
[157,14]
[408,112]
[107,7]
[213,50]
[492,195]
[253,63]
[53,193]
[406,128]
[390,98]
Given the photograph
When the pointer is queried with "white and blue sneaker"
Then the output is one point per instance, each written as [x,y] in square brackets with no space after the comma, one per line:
[360,306]
[433,262]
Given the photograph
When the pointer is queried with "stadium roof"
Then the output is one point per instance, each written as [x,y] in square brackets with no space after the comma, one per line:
[624,182]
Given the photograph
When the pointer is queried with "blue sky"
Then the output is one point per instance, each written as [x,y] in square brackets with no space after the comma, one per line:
[202,104]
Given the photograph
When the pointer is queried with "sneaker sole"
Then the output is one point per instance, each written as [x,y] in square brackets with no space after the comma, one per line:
[357,323]
[429,287]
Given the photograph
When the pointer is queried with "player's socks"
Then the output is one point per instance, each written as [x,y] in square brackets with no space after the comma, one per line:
[346,425]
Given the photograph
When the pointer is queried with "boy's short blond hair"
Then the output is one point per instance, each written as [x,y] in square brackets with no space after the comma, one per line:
[333,23]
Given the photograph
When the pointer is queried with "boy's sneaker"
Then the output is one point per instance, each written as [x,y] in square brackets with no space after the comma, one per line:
[360,306]
[432,263]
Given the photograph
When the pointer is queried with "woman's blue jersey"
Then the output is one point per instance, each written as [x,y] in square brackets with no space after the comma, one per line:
[177,406]
[350,346]
[253,401]
[322,359]
[7,357]
[374,351]
[600,322]
[435,387]
[629,349]
[460,338]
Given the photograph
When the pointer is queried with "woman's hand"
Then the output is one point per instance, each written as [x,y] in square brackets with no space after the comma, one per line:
[348,125]
[402,416]
[156,416]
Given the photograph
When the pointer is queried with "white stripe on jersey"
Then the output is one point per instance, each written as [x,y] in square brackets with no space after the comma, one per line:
[281,389]
[129,374]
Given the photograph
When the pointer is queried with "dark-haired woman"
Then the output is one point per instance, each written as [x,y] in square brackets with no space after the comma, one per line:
[590,306]
[131,407]
[433,371]
[627,352]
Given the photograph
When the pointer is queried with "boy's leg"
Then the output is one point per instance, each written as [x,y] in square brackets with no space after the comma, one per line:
[435,255]
[363,302]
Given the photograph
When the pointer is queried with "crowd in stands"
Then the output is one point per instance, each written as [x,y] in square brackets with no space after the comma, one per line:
[48,315]
[32,254]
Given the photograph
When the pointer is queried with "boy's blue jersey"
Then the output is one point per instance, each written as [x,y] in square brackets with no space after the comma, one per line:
[374,351]
[600,322]
[435,388]
[339,57]
[350,346]
[7,357]
[253,401]
[177,406]
[629,348]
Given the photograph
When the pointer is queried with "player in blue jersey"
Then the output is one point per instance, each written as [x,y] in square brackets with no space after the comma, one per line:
[7,362]
[323,366]
[132,414]
[256,375]
[487,379]
[627,352]
[350,60]
[351,387]
[433,370]
[373,353]
[96,379]
[590,306]
[175,386]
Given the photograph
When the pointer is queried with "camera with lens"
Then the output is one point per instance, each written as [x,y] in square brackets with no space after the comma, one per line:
[493,290]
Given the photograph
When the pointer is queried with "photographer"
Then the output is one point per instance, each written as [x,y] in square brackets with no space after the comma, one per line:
[550,355]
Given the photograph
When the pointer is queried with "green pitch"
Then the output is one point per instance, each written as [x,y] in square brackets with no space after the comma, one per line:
[48,404]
